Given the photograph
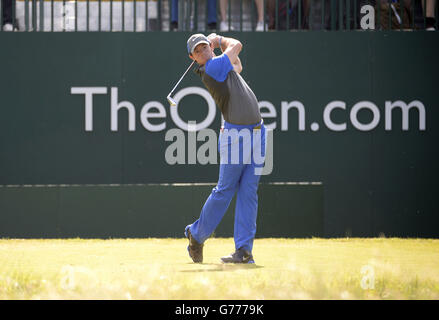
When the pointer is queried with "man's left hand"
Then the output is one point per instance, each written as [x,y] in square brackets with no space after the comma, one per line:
[214,40]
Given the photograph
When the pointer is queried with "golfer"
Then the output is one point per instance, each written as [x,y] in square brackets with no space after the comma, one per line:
[239,107]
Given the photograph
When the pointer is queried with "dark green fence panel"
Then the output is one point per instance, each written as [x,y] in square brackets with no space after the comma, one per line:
[149,211]
[375,181]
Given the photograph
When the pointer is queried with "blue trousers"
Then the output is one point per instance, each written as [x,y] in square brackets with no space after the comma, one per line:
[238,177]
[211,11]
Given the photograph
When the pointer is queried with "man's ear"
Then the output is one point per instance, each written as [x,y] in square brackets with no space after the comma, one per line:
[190,57]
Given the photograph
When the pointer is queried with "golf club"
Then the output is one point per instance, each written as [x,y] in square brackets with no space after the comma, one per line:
[172,102]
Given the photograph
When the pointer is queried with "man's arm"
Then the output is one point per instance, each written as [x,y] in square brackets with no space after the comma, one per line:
[237,66]
[230,46]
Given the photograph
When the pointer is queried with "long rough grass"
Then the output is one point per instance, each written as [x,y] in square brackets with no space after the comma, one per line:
[161,269]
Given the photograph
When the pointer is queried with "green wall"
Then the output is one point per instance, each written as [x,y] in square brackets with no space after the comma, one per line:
[377,181]
[97,211]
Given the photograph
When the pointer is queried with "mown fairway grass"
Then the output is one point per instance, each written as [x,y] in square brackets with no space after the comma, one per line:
[161,269]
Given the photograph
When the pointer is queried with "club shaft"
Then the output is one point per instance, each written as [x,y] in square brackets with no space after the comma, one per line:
[181,78]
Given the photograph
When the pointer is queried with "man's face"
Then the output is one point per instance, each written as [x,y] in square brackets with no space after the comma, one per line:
[202,53]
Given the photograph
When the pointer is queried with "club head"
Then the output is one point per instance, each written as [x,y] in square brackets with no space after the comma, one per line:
[172,102]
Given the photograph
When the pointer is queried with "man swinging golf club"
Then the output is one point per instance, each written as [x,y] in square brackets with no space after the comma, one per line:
[239,107]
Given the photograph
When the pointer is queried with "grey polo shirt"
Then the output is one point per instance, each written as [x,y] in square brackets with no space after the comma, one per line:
[233,96]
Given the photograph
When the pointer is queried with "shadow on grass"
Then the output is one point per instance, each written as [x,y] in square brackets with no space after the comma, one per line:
[223,267]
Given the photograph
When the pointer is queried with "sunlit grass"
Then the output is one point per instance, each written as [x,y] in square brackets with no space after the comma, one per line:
[161,269]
